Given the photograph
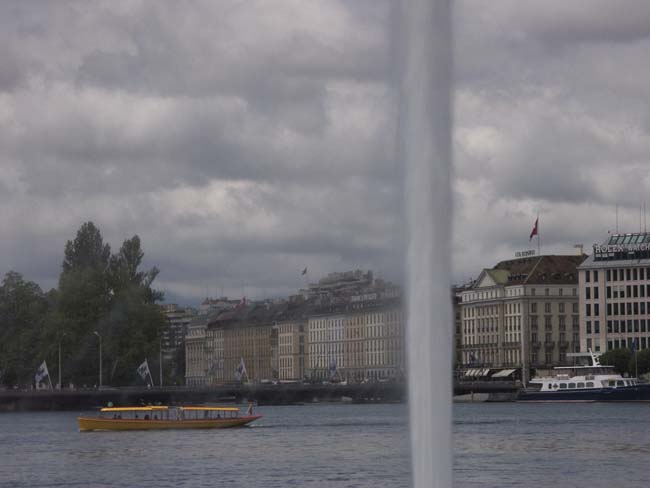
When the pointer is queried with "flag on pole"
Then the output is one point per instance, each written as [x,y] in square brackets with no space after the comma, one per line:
[332,368]
[634,345]
[241,370]
[304,272]
[534,231]
[143,370]
[41,373]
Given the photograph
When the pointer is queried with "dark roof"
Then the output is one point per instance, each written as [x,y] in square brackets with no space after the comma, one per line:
[267,313]
[261,313]
[538,270]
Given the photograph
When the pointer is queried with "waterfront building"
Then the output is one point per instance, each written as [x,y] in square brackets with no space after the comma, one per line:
[520,314]
[195,351]
[244,335]
[357,341]
[348,327]
[173,338]
[326,343]
[456,300]
[215,353]
[292,326]
[340,285]
[615,294]
[219,303]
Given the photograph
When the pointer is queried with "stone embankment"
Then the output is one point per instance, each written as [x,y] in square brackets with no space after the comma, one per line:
[283,394]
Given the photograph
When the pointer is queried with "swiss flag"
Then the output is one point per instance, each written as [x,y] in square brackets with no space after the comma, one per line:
[534,231]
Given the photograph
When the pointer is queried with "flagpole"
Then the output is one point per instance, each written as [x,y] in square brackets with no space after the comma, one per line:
[539,246]
[149,371]
[636,362]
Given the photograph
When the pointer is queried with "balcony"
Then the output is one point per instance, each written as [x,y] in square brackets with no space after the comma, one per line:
[564,344]
[549,344]
[536,344]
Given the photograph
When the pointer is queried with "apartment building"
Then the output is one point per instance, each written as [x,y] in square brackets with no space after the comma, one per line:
[615,294]
[360,340]
[520,314]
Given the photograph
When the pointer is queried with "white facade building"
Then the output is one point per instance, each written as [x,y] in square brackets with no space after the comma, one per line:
[615,294]
[520,314]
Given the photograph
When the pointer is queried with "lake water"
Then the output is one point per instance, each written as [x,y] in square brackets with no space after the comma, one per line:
[337,445]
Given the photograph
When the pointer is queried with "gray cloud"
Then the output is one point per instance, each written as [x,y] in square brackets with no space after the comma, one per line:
[244,141]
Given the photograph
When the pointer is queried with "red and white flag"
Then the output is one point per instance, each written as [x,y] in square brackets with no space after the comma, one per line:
[534,231]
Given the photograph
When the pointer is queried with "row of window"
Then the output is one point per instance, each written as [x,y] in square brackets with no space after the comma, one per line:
[548,320]
[629,291]
[636,308]
[486,295]
[571,386]
[548,337]
[623,326]
[548,307]
[643,343]
[622,291]
[622,274]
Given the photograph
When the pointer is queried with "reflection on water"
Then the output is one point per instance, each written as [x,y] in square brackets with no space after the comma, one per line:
[337,446]
[319,445]
[578,445]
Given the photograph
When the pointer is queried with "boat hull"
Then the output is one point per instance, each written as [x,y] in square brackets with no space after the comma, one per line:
[638,393]
[87,424]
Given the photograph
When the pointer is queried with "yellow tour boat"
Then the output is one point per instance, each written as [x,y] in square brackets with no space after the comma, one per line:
[161,417]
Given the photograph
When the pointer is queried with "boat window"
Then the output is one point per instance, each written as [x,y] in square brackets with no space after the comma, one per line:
[572,385]
[620,383]
[590,384]
[555,386]
[581,385]
[612,383]
[562,386]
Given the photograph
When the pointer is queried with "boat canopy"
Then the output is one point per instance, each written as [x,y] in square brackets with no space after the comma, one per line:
[503,373]
[477,372]
[219,409]
[134,409]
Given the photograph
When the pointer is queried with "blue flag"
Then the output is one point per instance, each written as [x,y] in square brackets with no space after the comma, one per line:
[634,345]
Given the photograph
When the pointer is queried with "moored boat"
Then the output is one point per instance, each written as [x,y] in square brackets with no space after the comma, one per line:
[163,417]
[590,383]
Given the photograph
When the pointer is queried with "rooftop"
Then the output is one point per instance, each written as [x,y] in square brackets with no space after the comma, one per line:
[551,269]
[621,250]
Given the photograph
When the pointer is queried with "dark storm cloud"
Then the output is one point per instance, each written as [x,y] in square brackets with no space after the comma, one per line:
[244,141]
[550,119]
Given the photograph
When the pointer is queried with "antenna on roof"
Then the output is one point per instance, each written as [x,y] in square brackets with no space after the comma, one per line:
[617,218]
[645,224]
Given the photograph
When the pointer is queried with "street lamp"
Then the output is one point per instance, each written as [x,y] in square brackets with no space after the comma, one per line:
[60,339]
[160,361]
[100,357]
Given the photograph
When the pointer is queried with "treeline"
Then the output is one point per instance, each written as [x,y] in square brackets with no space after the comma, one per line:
[626,361]
[99,294]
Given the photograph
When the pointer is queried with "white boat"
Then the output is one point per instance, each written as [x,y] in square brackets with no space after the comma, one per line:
[589,383]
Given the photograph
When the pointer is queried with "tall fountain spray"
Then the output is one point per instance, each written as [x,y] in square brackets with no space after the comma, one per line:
[426,145]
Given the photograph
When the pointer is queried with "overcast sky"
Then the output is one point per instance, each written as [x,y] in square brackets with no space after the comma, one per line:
[246,140]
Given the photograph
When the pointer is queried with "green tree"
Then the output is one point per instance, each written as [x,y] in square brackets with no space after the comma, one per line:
[619,358]
[642,361]
[84,300]
[24,312]
[98,292]
[113,296]
[136,323]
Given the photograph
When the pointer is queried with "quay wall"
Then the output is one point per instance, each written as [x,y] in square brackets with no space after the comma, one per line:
[13,400]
